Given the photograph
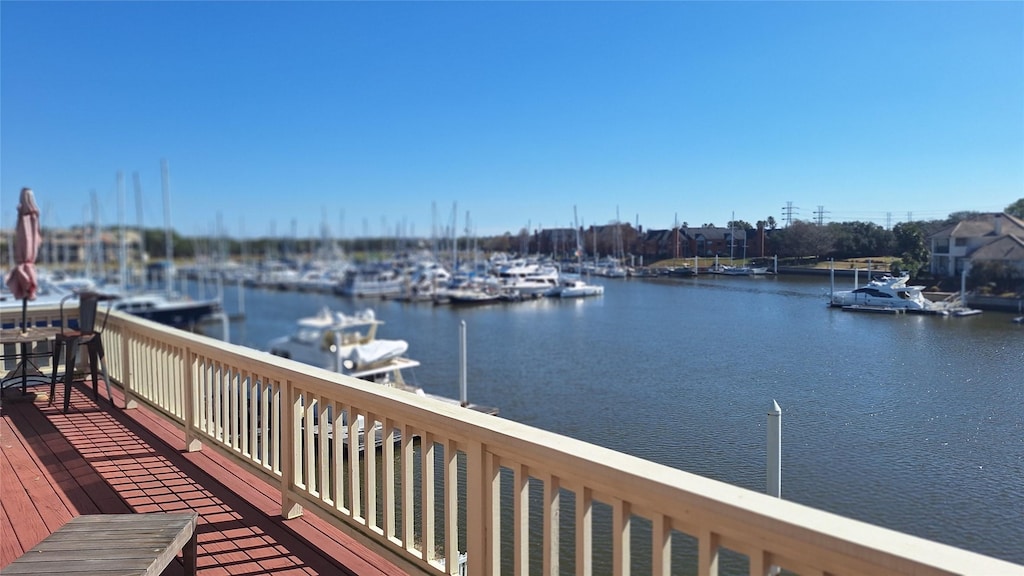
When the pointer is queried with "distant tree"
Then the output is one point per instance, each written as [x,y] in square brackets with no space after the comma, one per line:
[961,216]
[772,224]
[739,225]
[1016,209]
[708,225]
[801,239]
[860,239]
[911,246]
[999,275]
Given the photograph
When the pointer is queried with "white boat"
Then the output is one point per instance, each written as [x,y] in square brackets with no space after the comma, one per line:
[469,295]
[387,283]
[349,345]
[529,279]
[744,270]
[345,344]
[572,287]
[885,292]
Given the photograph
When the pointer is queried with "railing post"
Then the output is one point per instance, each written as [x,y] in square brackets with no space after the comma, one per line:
[290,446]
[189,397]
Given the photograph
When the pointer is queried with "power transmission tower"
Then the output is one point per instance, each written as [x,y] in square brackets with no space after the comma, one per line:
[819,215]
[788,211]
[888,220]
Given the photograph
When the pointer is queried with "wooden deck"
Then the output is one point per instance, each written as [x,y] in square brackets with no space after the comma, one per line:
[97,459]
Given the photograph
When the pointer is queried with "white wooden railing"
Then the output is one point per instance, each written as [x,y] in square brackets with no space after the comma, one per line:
[513,499]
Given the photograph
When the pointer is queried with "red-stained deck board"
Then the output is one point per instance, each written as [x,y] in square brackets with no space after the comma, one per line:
[98,459]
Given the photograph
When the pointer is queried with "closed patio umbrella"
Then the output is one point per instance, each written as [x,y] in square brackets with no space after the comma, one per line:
[22,279]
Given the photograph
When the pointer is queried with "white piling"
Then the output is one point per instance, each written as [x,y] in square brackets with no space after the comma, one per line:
[463,400]
[832,280]
[775,451]
[963,287]
[241,298]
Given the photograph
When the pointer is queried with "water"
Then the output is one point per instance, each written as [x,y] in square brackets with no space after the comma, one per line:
[910,422]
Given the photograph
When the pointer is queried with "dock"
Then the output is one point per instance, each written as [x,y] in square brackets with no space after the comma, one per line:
[872,309]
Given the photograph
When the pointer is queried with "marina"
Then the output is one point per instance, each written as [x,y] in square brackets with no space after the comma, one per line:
[925,411]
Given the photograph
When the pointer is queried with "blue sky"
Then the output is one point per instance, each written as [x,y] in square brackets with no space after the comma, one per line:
[364,116]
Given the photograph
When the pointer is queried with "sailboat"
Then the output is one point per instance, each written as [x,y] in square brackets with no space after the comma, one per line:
[164,307]
[573,286]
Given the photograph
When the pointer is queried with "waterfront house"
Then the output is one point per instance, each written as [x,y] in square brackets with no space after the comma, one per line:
[987,237]
[269,452]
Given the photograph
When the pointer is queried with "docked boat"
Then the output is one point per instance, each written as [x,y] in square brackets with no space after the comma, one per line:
[529,279]
[346,344]
[176,312]
[744,270]
[570,287]
[338,342]
[885,292]
[470,295]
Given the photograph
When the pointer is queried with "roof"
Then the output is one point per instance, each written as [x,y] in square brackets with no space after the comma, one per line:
[983,225]
[1003,248]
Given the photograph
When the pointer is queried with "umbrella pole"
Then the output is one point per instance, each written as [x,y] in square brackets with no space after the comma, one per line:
[24,315]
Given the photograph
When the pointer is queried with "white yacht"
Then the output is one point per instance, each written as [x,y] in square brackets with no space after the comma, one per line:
[885,292]
[348,345]
[529,279]
[574,287]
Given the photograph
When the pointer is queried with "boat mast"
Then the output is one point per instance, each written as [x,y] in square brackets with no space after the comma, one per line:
[165,185]
[122,268]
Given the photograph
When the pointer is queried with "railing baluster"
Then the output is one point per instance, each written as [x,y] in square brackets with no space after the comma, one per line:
[408,491]
[354,432]
[389,477]
[661,545]
[584,532]
[552,529]
[493,467]
[324,433]
[621,523]
[521,520]
[370,470]
[707,554]
[451,507]
[427,495]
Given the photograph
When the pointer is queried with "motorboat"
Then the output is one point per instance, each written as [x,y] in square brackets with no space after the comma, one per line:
[174,311]
[469,295]
[384,283]
[743,270]
[346,344]
[885,291]
[529,279]
[571,287]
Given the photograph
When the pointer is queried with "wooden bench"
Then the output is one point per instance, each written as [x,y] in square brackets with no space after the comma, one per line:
[142,544]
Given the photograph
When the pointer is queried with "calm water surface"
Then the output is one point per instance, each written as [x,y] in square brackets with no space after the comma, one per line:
[910,422]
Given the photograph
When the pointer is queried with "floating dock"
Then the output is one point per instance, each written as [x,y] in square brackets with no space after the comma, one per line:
[872,309]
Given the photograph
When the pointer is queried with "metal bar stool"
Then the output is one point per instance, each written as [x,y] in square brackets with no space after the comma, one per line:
[86,335]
